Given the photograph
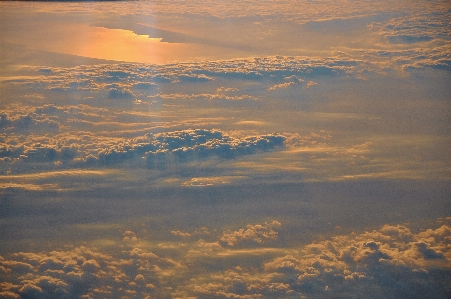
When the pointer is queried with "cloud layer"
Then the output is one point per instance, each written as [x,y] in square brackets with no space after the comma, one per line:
[390,262]
[159,150]
[258,127]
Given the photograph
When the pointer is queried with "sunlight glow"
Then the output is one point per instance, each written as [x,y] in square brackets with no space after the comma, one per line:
[122,45]
[125,45]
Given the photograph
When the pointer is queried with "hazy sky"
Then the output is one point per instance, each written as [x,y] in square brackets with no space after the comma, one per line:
[225,149]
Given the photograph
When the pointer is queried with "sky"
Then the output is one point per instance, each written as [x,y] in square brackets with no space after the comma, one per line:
[225,149]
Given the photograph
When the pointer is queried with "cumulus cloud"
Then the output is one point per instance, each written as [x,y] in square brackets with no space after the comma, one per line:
[180,233]
[416,28]
[254,233]
[310,84]
[84,128]
[203,99]
[28,123]
[282,85]
[211,181]
[373,259]
[129,236]
[128,80]
[84,272]
[226,89]
[68,148]
[194,78]
[116,93]
[391,262]
[185,146]
[159,150]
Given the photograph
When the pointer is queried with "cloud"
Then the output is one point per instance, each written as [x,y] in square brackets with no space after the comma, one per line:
[418,58]
[144,85]
[28,123]
[372,259]
[282,85]
[83,273]
[222,90]
[211,181]
[194,78]
[310,84]
[218,99]
[129,236]
[84,140]
[415,28]
[184,146]
[116,93]
[255,233]
[126,80]
[180,233]
[138,125]
[252,9]
[360,265]
[392,261]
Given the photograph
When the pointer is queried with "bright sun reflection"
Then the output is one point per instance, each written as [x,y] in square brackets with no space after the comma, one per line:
[122,45]
[125,45]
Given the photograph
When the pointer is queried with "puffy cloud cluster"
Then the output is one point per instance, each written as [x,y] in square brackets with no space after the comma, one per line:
[159,150]
[84,272]
[414,28]
[27,123]
[184,146]
[221,99]
[425,33]
[132,270]
[289,82]
[279,67]
[417,58]
[117,93]
[127,80]
[390,262]
[212,180]
[254,233]
[152,88]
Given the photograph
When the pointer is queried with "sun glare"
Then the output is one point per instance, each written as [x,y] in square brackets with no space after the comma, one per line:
[122,45]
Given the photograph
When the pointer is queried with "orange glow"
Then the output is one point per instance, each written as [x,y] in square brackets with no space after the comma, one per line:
[125,45]
[122,45]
